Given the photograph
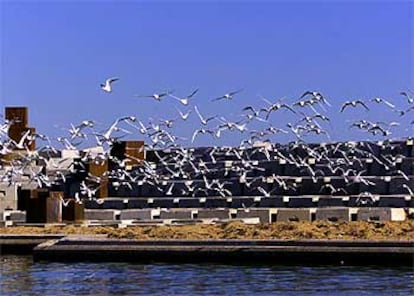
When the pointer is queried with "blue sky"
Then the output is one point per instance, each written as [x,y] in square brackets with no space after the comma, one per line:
[54,55]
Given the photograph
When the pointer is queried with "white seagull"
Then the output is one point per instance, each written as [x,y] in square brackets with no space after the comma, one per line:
[107,86]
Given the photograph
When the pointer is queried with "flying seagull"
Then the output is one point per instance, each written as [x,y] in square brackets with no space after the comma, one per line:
[353,104]
[156,96]
[184,100]
[107,86]
[227,96]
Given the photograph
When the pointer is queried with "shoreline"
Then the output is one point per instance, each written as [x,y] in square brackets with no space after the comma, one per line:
[353,243]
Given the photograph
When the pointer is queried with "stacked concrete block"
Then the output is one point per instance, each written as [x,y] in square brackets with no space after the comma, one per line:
[100,214]
[138,214]
[334,214]
[264,215]
[176,214]
[8,197]
[381,214]
[213,214]
[293,215]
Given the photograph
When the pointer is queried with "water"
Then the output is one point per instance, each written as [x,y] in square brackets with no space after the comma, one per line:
[21,276]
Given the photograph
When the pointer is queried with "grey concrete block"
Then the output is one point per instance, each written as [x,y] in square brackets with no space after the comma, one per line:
[210,214]
[271,202]
[330,202]
[137,214]
[264,215]
[381,214]
[141,203]
[176,214]
[392,202]
[287,215]
[8,197]
[189,203]
[333,214]
[15,216]
[91,214]
[300,202]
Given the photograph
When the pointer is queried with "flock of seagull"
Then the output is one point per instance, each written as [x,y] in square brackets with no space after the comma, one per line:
[255,125]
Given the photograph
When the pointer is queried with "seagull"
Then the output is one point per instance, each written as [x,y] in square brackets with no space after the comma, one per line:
[201,131]
[227,96]
[410,100]
[184,116]
[353,104]
[203,121]
[107,86]
[184,100]
[381,100]
[156,96]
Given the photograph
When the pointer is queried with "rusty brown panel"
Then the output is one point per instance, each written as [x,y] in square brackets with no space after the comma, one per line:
[53,210]
[19,113]
[103,189]
[56,194]
[73,212]
[31,145]
[97,169]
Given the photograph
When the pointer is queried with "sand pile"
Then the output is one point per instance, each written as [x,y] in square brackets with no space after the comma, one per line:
[237,230]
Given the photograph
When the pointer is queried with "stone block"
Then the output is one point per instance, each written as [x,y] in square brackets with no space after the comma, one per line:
[166,203]
[8,197]
[271,202]
[189,203]
[137,214]
[91,214]
[381,214]
[330,202]
[211,214]
[216,203]
[14,216]
[333,214]
[392,202]
[141,203]
[300,202]
[288,215]
[176,214]
[264,215]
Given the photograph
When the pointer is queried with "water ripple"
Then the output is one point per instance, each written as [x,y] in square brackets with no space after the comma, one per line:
[21,276]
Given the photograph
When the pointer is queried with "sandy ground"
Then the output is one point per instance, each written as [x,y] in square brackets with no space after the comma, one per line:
[237,230]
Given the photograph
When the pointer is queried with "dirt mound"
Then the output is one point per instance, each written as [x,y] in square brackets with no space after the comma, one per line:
[237,230]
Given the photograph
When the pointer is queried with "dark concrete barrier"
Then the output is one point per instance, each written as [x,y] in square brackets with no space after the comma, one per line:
[356,252]
[24,244]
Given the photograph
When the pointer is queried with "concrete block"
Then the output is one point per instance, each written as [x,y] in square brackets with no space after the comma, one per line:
[271,202]
[242,202]
[113,204]
[210,214]
[264,215]
[137,214]
[330,202]
[166,203]
[99,214]
[381,214]
[8,197]
[333,214]
[300,202]
[189,203]
[137,203]
[216,203]
[176,214]
[392,202]
[14,216]
[288,215]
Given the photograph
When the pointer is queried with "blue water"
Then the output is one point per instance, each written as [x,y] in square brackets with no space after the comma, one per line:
[21,276]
